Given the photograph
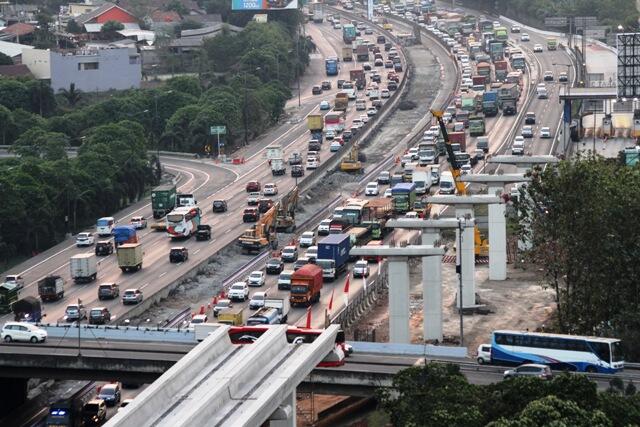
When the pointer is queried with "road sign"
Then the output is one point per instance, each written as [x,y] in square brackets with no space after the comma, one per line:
[218,130]
[628,65]
[596,33]
[556,21]
[585,21]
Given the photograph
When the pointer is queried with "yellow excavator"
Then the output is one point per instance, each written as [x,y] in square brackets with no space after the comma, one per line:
[262,234]
[481,245]
[286,215]
[350,162]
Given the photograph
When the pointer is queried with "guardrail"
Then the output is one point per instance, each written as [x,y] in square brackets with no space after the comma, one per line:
[108,332]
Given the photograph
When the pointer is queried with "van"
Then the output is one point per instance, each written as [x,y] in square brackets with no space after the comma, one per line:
[435,174]
[361,104]
[447,184]
[542,92]
[482,143]
[108,291]
[104,226]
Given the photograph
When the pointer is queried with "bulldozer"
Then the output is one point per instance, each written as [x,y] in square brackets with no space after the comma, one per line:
[351,162]
[481,245]
[262,234]
[286,215]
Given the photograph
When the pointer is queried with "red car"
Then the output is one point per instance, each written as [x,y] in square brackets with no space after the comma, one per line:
[253,186]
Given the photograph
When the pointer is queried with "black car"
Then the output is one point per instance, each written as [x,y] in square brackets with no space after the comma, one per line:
[387,46]
[530,118]
[203,232]
[219,205]
[381,40]
[104,247]
[316,90]
[297,171]
[376,78]
[275,266]
[347,135]
[392,85]
[340,82]
[326,85]
[178,254]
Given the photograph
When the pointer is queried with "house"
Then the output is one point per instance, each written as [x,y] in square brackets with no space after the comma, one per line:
[191,40]
[77,9]
[160,19]
[13,50]
[18,32]
[93,20]
[18,70]
[97,69]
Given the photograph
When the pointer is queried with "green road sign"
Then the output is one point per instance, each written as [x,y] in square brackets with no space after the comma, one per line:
[218,130]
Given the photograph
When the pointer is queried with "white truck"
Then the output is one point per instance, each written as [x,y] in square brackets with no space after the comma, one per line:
[275,310]
[84,268]
[422,180]
[276,160]
[202,330]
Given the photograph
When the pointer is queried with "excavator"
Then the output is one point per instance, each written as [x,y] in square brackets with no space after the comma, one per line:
[286,216]
[481,245]
[262,234]
[351,163]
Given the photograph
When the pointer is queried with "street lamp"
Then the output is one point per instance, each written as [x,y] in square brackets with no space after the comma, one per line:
[564,112]
[245,113]
[154,130]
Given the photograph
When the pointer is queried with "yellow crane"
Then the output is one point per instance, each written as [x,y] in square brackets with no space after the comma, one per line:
[262,234]
[481,245]
[350,162]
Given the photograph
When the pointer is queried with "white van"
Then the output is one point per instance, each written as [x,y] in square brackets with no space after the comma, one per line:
[104,226]
[361,104]
[422,179]
[541,91]
[447,184]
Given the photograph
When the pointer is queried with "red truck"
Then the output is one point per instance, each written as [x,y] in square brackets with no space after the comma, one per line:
[460,138]
[359,78]
[478,80]
[502,69]
[306,284]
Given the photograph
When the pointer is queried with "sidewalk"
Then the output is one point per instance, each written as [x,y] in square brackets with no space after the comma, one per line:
[608,149]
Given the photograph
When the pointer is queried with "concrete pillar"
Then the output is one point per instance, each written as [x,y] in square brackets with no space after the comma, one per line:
[466,256]
[497,237]
[285,415]
[399,300]
[431,289]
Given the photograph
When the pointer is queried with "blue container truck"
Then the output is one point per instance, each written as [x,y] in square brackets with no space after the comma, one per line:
[334,247]
[124,234]
[348,33]
[490,103]
[331,67]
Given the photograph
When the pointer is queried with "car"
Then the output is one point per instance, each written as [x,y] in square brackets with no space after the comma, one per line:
[515,29]
[84,239]
[518,146]
[330,134]
[253,198]
[377,77]
[94,412]
[312,252]
[413,152]
[466,169]
[384,93]
[221,305]
[397,66]
[300,262]
[323,227]
[270,189]
[312,163]
[545,132]
[347,135]
[392,85]
[289,254]
[253,186]
[238,291]
[99,316]
[297,171]
[372,189]
[335,146]
[326,85]
[274,266]
[366,66]
[563,77]
[132,296]
[219,205]
[530,370]
[388,63]
[378,63]
[15,279]
[284,280]
[548,76]
[368,31]
[361,269]
[530,118]
[257,300]
[537,48]
[75,312]
[110,393]
[178,254]
[527,131]
[337,26]
[324,105]
[524,37]
[295,158]
[256,278]
[308,238]
[387,193]
[371,112]
[251,215]
[340,83]
[108,291]
[316,90]
[139,222]
[22,331]
[384,178]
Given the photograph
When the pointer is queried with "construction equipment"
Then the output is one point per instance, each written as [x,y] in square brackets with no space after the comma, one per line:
[481,245]
[286,215]
[262,234]
[350,162]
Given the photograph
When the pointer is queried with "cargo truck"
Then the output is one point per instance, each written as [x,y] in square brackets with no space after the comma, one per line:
[163,200]
[124,234]
[275,311]
[232,316]
[468,103]
[130,257]
[318,14]
[347,54]
[335,248]
[484,69]
[51,288]
[83,267]
[476,125]
[275,157]
[508,98]
[359,236]
[359,78]
[496,50]
[306,284]
[479,80]
[552,44]
[28,309]
[404,196]
[362,53]
[341,102]
[348,33]
[8,295]
[331,66]
[422,180]
[490,103]
[501,70]
[459,138]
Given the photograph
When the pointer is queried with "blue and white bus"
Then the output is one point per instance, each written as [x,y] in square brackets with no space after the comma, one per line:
[563,352]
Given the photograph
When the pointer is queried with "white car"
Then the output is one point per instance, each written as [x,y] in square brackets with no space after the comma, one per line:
[330,134]
[372,112]
[466,169]
[238,291]
[253,197]
[361,269]
[256,278]
[335,146]
[545,132]
[323,228]
[524,37]
[312,252]
[537,48]
[84,239]
[270,189]
[22,331]
[357,122]
[132,296]
[518,146]
[308,238]
[372,189]
[139,222]
[387,193]
[413,152]
[384,93]
[364,118]
[484,354]
[257,300]
[312,163]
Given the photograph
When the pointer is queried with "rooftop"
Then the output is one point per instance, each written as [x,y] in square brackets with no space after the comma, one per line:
[13,49]
[19,29]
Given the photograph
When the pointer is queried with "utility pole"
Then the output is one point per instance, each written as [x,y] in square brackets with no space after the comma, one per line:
[459,271]
[79,320]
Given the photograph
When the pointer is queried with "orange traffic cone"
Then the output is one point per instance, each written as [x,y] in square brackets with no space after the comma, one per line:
[215,300]
[202,309]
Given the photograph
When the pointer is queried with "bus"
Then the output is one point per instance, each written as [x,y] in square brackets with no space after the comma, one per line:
[104,226]
[353,210]
[183,221]
[331,66]
[565,352]
[518,63]
[334,121]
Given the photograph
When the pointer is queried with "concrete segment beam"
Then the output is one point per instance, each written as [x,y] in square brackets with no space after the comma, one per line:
[422,223]
[466,257]
[484,178]
[388,251]
[523,160]
[399,300]
[479,199]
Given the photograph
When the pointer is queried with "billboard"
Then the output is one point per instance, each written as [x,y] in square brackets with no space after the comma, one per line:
[263,4]
[628,65]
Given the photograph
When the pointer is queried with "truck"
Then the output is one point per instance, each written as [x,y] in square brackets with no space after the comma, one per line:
[509,107]
[501,70]
[518,62]
[348,33]
[163,200]
[275,153]
[422,180]
[552,43]
[8,295]
[468,103]
[496,50]
[27,309]
[124,234]
[347,54]
[275,310]
[476,124]
[490,103]
[404,196]
[341,102]
[375,216]
[68,412]
[359,236]
[315,123]
[232,316]
[331,66]
[306,284]
[479,80]
[130,257]
[318,14]
[508,91]
[359,78]
[362,53]
[484,69]
[84,268]
[51,288]
[335,247]
[459,138]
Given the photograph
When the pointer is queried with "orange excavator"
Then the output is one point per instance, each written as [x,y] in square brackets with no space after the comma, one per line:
[262,234]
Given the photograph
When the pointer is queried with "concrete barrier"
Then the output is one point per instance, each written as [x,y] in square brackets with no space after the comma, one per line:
[120,333]
[427,350]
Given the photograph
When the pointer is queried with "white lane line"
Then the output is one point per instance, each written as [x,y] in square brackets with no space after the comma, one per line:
[144,286]
[196,251]
[162,274]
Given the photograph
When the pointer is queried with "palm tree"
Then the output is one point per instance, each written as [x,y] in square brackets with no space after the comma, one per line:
[72,95]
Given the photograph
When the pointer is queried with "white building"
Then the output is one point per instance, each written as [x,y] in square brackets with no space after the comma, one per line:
[91,70]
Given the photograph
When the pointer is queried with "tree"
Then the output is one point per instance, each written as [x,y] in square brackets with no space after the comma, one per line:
[5,59]
[42,99]
[7,126]
[110,28]
[39,143]
[13,94]
[176,6]
[73,27]
[185,84]
[72,95]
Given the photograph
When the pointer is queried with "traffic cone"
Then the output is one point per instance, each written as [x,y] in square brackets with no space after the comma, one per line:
[208,306]
[202,309]
[222,294]
[397,159]
[215,300]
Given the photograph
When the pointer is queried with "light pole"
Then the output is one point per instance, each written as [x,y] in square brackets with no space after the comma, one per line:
[564,112]
[245,112]
[461,222]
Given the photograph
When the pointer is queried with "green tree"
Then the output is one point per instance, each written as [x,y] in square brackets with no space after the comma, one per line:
[73,27]
[110,28]
[177,134]
[185,84]
[38,143]
[5,59]
[72,95]
[42,99]
[7,126]
[14,94]
[176,6]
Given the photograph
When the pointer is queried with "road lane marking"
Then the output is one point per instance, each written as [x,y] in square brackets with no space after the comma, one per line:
[162,274]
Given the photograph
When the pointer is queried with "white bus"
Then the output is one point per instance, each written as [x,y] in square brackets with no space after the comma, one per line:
[104,226]
[183,221]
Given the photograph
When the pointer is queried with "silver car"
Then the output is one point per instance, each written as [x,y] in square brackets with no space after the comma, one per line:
[530,370]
